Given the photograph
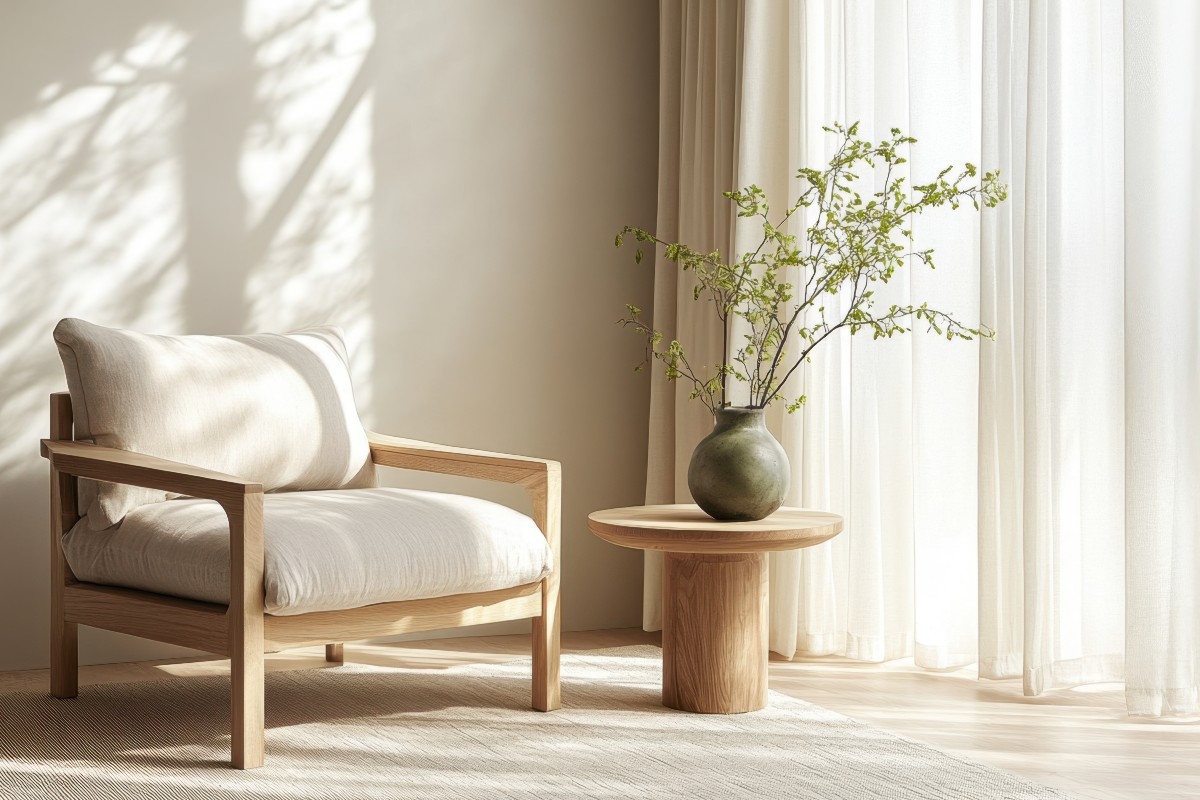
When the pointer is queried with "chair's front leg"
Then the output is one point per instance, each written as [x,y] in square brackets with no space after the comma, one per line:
[545,489]
[64,636]
[246,629]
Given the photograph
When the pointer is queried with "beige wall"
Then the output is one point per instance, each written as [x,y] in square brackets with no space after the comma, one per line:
[441,179]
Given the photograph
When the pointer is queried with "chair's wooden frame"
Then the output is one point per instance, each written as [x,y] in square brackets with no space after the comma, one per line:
[242,630]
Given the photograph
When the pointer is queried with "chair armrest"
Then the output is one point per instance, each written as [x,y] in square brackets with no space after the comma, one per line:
[541,479]
[85,460]
[242,502]
[393,451]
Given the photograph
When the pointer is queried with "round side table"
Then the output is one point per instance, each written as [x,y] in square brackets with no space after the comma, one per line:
[714,595]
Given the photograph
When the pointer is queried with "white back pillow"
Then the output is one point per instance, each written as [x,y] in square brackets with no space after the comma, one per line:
[272,408]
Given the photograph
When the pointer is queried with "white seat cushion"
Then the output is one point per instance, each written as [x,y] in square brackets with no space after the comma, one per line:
[324,550]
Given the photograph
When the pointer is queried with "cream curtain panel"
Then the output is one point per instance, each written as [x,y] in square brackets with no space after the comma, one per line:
[1027,504]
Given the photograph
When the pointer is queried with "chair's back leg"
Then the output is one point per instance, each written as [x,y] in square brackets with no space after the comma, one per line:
[64,636]
[246,631]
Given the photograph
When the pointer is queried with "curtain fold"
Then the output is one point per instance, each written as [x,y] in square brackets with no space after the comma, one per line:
[700,62]
[992,491]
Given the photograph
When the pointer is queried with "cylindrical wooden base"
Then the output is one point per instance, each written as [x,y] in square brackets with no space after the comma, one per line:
[715,632]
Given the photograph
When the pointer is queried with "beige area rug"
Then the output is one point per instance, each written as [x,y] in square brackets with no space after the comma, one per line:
[370,732]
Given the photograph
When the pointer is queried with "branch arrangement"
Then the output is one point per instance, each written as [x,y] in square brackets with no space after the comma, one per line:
[853,243]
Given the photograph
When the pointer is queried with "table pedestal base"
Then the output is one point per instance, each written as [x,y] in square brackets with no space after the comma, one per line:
[715,632]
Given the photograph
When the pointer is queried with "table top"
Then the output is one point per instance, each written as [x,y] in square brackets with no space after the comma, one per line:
[684,528]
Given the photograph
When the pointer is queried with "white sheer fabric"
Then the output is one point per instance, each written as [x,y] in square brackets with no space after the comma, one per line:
[888,436]
[1052,395]
[984,486]
[1162,356]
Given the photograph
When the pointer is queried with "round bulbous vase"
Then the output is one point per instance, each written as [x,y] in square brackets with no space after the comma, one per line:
[739,472]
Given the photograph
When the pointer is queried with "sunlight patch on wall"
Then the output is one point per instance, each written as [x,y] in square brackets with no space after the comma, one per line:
[154,54]
[307,174]
[89,218]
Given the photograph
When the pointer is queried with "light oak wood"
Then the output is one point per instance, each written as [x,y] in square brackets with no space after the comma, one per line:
[205,626]
[715,632]
[545,490]
[85,460]
[684,528]
[714,595]
[186,623]
[246,629]
[64,634]
[394,451]
[242,630]
[407,616]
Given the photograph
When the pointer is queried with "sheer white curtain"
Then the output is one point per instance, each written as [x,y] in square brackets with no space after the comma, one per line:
[1052,410]
[984,486]
[1162,348]
[889,435]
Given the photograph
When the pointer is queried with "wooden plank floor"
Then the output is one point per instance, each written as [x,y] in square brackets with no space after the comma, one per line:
[1078,740]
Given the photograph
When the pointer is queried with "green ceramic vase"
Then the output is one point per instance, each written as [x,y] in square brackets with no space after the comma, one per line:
[739,472]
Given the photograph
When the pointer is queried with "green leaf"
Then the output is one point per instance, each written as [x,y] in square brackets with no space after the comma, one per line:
[856,236]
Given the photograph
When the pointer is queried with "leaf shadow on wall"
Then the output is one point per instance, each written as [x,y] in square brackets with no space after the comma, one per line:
[166,169]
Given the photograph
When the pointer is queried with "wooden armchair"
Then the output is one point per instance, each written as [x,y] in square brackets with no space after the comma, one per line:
[243,630]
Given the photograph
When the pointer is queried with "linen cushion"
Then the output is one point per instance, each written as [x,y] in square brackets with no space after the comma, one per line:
[323,551]
[272,408]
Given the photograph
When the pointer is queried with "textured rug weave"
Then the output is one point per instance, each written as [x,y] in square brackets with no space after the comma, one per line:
[369,732]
